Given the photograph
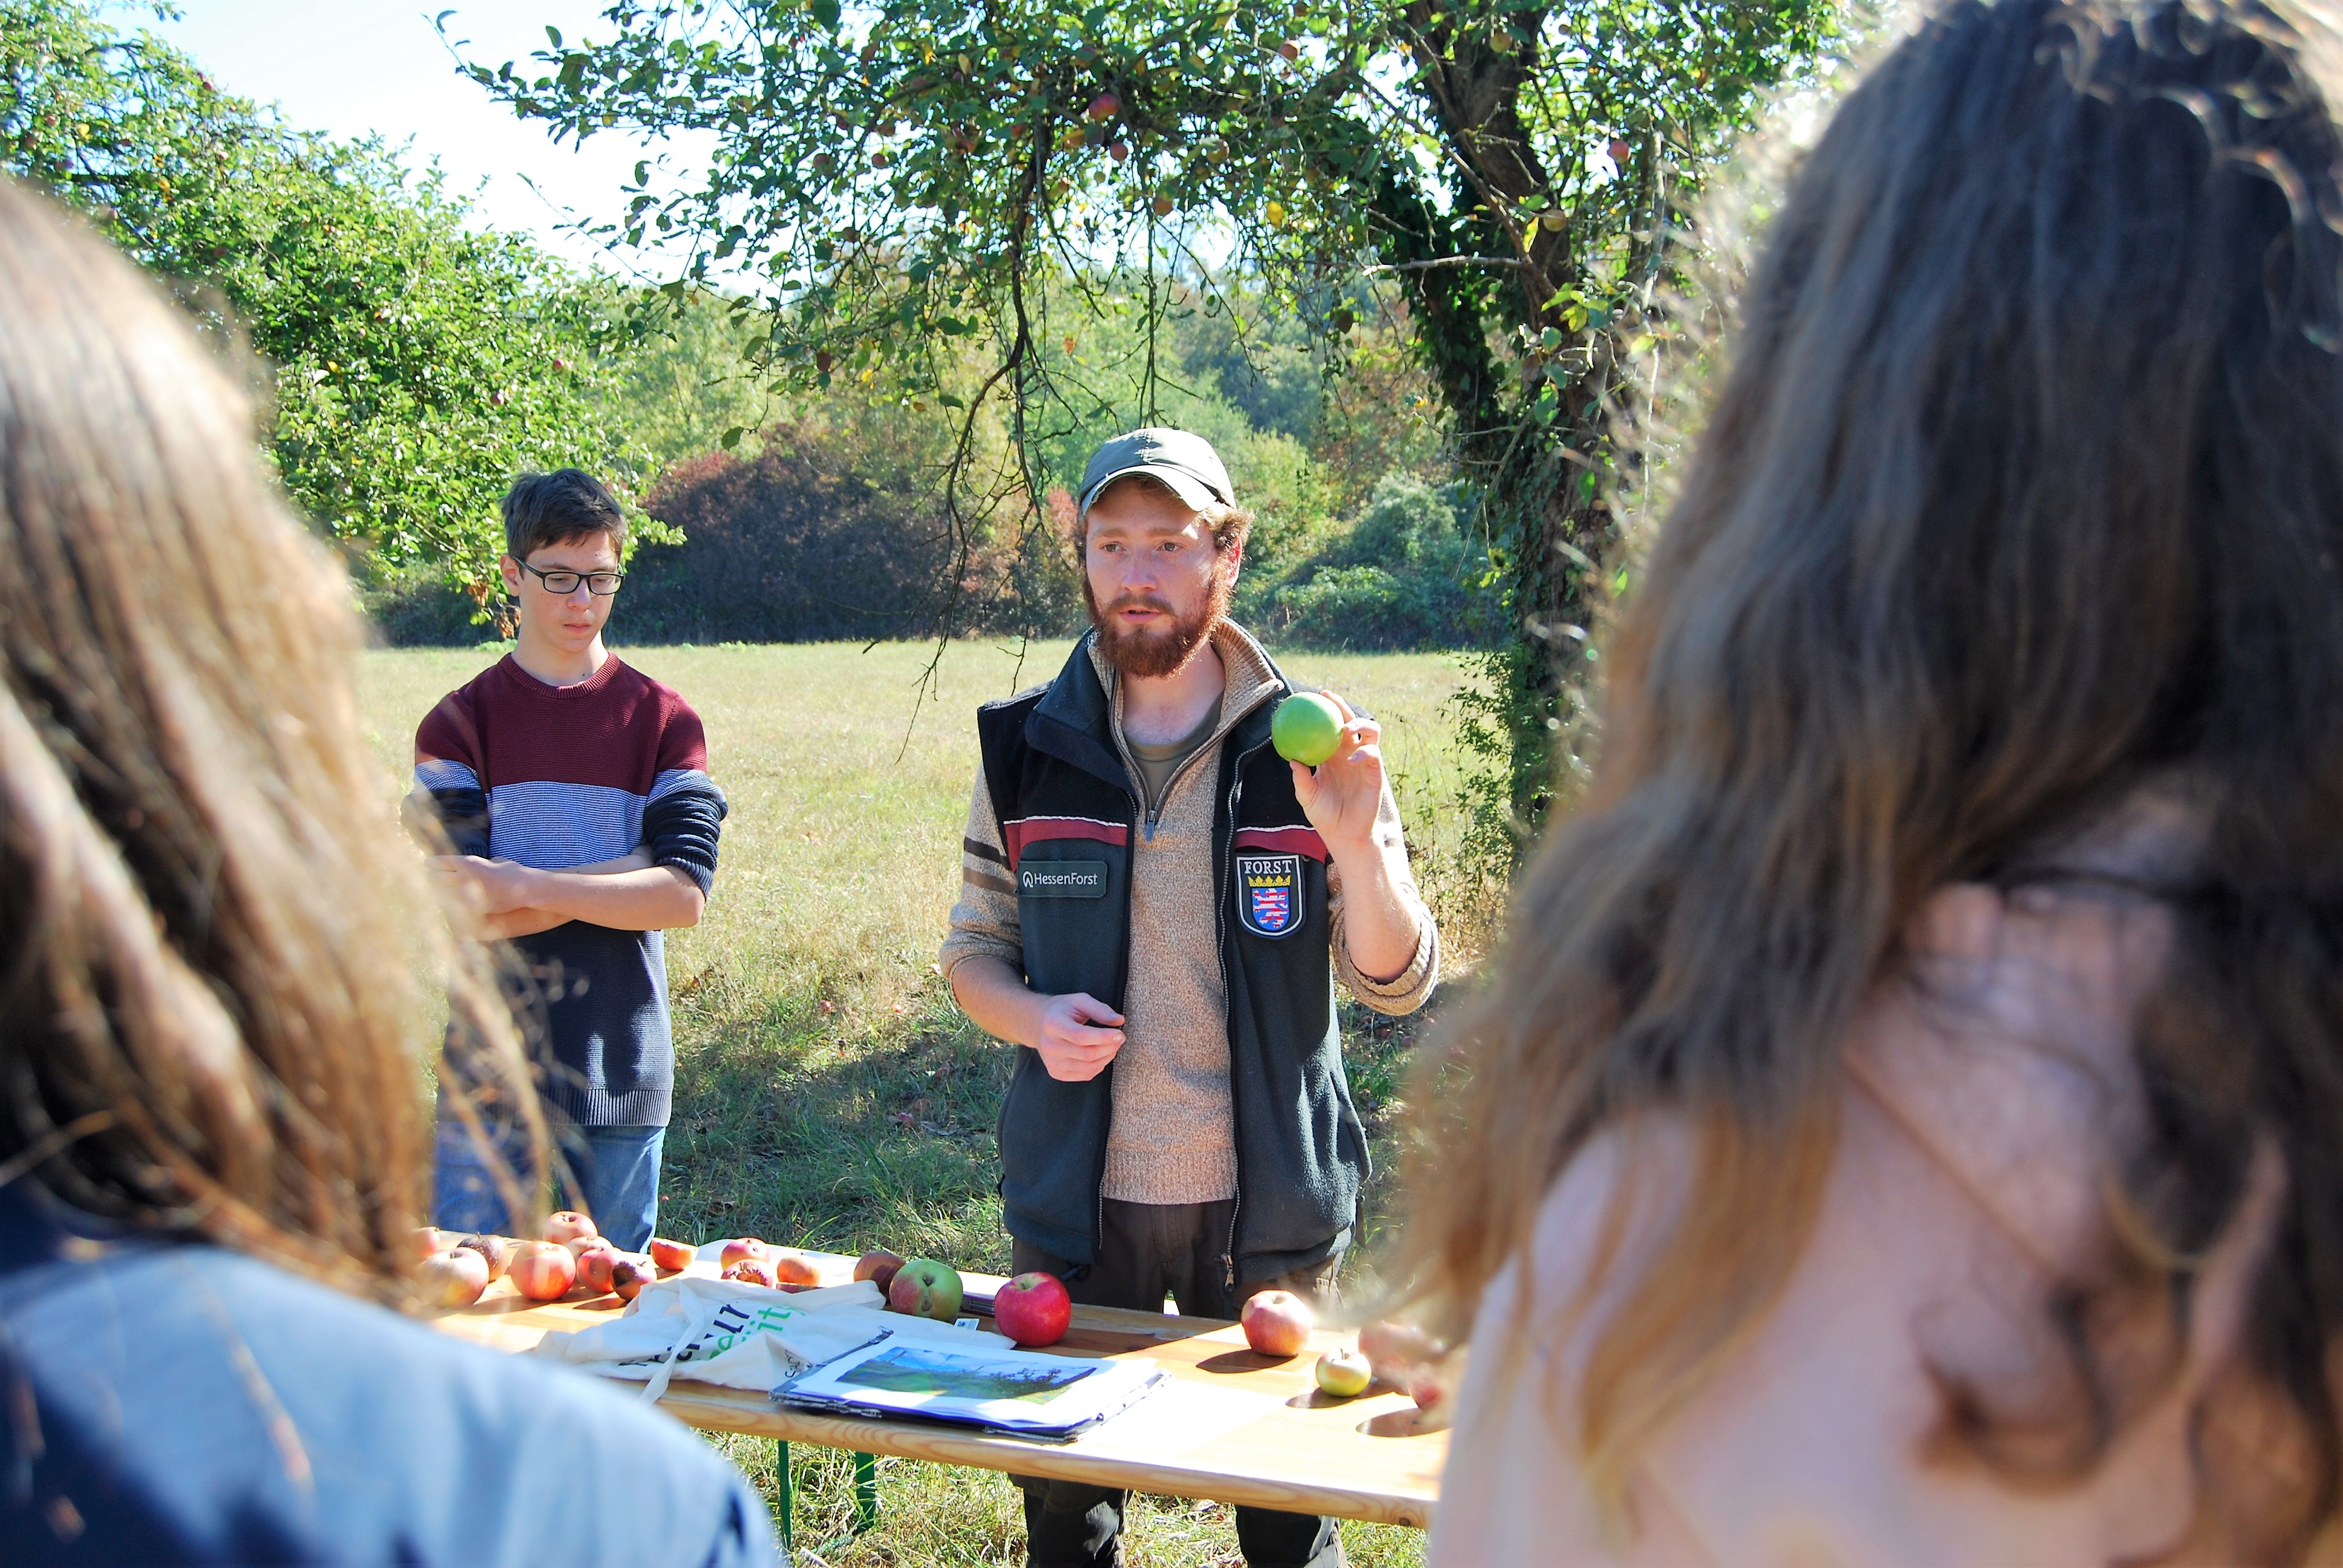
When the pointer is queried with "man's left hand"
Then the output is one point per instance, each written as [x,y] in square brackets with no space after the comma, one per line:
[1342,794]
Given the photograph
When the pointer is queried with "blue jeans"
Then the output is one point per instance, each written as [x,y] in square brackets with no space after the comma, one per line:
[615,1173]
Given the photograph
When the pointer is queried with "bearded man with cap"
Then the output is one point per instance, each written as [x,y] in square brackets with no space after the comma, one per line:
[1154,907]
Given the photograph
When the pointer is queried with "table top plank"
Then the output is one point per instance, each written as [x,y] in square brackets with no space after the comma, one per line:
[1234,1426]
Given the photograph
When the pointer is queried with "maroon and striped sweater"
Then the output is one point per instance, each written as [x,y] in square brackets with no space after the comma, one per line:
[557,776]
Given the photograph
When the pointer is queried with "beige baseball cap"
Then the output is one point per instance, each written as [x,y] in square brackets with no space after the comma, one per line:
[1181,461]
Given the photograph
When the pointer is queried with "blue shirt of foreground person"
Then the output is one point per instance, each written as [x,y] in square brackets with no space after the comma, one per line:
[168,1402]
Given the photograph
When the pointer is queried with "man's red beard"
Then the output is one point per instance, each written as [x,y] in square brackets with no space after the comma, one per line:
[1152,654]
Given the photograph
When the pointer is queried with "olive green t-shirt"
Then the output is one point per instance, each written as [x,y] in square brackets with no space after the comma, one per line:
[1158,763]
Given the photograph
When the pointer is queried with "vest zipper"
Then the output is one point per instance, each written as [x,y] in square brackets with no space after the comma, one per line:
[1220,947]
[1129,871]
[1147,817]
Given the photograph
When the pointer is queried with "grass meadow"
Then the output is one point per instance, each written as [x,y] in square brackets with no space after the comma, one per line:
[828,1093]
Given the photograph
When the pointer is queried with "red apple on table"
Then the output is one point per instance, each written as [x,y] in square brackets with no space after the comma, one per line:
[630,1275]
[596,1260]
[793,1270]
[1033,1310]
[452,1277]
[567,1225]
[1278,1322]
[673,1256]
[496,1250]
[429,1239]
[879,1267]
[543,1271]
[924,1288]
[740,1248]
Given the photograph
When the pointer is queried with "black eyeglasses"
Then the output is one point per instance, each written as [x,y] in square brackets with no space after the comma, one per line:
[602,584]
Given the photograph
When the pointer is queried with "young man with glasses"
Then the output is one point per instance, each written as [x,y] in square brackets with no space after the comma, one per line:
[575,792]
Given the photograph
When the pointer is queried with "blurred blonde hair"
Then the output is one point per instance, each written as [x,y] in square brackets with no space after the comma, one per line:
[2025,490]
[224,962]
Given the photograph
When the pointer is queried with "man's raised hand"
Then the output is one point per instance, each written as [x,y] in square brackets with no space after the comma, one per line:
[1340,796]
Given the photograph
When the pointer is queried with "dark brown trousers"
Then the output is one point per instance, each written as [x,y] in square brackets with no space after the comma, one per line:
[1150,1251]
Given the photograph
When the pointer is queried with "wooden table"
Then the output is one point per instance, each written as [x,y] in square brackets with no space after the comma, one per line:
[1232,1426]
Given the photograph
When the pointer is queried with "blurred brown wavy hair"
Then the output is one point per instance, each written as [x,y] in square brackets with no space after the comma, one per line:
[220,962]
[2025,488]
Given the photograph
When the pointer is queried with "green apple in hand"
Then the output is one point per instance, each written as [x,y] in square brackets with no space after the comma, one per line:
[1306,728]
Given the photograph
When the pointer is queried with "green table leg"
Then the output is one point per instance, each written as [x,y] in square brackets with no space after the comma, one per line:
[866,1491]
[788,1524]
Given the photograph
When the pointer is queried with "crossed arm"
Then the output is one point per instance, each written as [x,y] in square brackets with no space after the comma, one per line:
[627,894]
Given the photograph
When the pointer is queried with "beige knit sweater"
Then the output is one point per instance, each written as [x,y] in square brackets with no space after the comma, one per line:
[1174,1139]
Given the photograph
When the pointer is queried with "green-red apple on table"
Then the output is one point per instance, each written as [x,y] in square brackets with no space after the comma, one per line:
[924,1288]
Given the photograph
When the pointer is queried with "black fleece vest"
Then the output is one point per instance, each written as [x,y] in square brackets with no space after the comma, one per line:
[1067,813]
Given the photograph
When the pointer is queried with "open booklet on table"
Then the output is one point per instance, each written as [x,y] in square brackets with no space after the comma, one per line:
[1006,1391]
[836,1349]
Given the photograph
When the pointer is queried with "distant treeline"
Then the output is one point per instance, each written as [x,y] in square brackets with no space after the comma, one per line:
[791,543]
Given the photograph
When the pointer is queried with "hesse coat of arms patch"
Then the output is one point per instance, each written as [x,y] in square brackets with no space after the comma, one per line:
[1269,893]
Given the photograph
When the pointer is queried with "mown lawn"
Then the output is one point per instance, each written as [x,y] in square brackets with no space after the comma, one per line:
[828,1094]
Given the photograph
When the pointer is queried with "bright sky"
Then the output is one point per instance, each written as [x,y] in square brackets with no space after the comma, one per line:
[348,68]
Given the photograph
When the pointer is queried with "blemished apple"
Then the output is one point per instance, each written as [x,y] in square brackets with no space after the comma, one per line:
[751,1271]
[1344,1373]
[793,1269]
[1033,1309]
[742,1247]
[877,1267]
[1306,728]
[542,1271]
[924,1288]
[452,1277]
[630,1275]
[1277,1322]
[596,1263]
[673,1256]
[568,1224]
[496,1250]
